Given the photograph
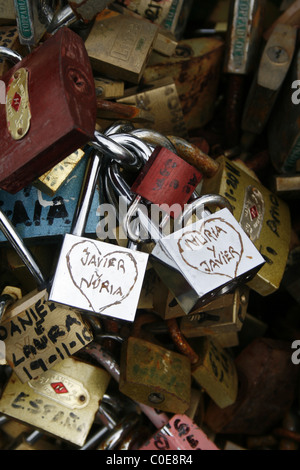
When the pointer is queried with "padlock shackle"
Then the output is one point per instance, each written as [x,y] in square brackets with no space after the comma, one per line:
[194,156]
[17,243]
[5,301]
[133,144]
[10,55]
[215,200]
[180,342]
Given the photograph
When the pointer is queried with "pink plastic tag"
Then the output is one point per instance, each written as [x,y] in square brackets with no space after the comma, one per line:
[179,434]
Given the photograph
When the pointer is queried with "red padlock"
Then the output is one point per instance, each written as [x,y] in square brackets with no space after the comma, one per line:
[50,109]
[167,179]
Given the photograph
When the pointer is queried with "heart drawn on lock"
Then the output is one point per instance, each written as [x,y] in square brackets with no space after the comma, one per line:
[216,248]
[104,280]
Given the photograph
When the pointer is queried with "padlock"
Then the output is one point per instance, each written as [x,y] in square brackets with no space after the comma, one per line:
[97,276]
[125,45]
[162,100]
[38,334]
[212,367]
[72,123]
[204,260]
[243,40]
[170,16]
[9,38]
[180,434]
[195,68]
[166,179]
[262,215]
[62,401]
[96,351]
[284,151]
[228,318]
[109,89]
[7,12]
[273,67]
[51,181]
[165,42]
[152,374]
[76,10]
[41,218]
[33,18]
[268,380]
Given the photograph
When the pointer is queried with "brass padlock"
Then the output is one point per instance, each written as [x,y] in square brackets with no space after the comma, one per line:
[118,46]
[213,367]
[284,134]
[263,216]
[62,401]
[154,375]
[36,333]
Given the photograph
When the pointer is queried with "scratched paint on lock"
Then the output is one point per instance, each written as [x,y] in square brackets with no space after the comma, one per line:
[37,216]
[97,277]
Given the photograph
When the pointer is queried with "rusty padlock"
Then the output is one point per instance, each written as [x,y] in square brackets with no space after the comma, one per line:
[68,107]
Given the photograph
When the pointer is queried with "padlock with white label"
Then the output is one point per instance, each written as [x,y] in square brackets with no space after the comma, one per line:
[68,106]
[96,276]
[37,334]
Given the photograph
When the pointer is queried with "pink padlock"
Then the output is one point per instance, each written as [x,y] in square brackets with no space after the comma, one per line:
[181,433]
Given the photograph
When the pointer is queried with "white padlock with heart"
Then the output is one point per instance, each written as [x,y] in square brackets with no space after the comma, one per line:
[206,259]
[95,276]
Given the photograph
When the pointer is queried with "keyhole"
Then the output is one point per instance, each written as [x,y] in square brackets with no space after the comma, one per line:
[78,80]
[156,398]
[278,55]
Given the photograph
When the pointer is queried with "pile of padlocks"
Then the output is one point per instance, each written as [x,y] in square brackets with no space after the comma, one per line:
[150,236]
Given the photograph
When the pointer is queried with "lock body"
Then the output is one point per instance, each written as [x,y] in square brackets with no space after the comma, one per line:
[155,376]
[87,10]
[119,46]
[167,179]
[68,107]
[162,100]
[98,277]
[33,19]
[207,258]
[181,433]
[7,12]
[65,399]
[215,371]
[261,214]
[228,318]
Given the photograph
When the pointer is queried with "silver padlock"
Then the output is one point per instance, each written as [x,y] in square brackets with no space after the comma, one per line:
[33,18]
[82,10]
[95,276]
[206,259]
